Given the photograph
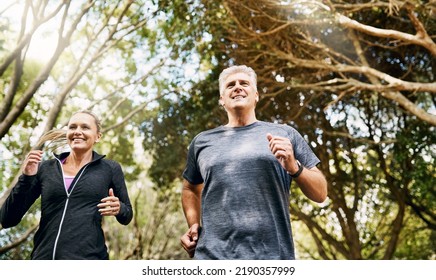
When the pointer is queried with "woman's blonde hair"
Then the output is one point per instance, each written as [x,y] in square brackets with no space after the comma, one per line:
[57,138]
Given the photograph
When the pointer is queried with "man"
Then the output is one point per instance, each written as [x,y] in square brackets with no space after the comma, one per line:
[237,180]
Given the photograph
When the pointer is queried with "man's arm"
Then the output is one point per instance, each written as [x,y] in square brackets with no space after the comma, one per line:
[311,181]
[191,203]
[313,184]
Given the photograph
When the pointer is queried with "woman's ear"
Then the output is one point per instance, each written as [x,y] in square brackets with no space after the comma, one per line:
[98,138]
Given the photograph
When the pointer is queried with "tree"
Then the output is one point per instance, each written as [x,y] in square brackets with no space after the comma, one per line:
[108,56]
[356,79]
[340,44]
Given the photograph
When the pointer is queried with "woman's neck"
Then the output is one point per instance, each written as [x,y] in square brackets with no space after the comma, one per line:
[78,160]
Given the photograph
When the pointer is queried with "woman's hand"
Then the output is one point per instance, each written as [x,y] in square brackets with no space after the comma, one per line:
[110,205]
[30,164]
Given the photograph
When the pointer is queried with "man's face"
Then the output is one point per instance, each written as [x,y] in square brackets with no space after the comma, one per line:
[239,92]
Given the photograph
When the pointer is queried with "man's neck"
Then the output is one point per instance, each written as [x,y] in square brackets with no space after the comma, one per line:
[241,120]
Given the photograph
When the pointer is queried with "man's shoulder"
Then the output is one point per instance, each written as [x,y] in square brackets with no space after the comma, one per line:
[209,132]
[277,126]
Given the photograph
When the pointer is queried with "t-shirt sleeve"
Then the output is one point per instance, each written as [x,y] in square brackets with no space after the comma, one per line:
[192,173]
[302,151]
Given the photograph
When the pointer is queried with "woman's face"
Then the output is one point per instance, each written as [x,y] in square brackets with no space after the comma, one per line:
[82,132]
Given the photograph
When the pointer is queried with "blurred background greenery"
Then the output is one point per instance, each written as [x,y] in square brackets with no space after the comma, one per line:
[356,78]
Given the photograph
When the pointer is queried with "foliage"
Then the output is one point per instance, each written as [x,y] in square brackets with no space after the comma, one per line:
[108,57]
[171,130]
[323,75]
[156,227]
[356,78]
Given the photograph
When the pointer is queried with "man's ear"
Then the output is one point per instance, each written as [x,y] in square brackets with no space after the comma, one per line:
[221,102]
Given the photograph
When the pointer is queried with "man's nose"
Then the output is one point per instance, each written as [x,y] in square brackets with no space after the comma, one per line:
[237,87]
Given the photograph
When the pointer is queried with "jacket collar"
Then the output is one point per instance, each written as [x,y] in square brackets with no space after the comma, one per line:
[95,156]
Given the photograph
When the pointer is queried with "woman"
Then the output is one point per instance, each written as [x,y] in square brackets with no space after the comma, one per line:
[77,188]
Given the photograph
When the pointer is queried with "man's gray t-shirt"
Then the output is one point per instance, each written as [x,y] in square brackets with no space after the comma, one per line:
[245,199]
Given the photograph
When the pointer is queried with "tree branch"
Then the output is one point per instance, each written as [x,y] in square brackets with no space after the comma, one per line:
[20,240]
[420,39]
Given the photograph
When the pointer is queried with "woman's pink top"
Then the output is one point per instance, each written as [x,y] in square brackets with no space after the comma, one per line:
[67,179]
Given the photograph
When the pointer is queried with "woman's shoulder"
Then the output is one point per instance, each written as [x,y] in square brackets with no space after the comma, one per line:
[111,164]
[48,162]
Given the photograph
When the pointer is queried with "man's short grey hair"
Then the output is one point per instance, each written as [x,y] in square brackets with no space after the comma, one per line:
[236,69]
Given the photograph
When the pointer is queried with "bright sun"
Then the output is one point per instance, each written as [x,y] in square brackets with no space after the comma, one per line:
[44,40]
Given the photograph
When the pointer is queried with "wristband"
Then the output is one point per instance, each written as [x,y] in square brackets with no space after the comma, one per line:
[300,169]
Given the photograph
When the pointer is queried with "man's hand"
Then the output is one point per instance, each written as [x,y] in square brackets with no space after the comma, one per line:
[190,238]
[282,149]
